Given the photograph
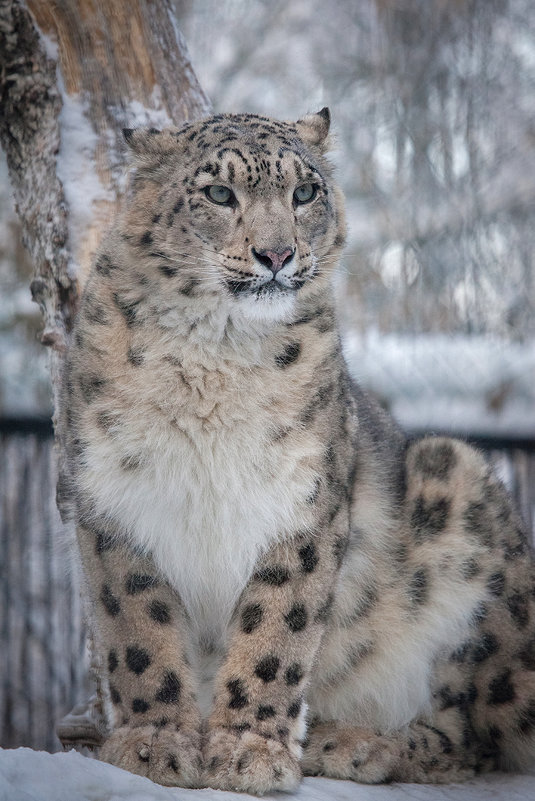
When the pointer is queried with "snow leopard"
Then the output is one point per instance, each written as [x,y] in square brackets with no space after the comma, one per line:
[282,582]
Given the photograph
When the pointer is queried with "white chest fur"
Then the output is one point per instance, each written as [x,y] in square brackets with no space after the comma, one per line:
[205,500]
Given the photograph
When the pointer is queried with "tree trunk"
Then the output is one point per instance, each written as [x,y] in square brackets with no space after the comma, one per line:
[73,73]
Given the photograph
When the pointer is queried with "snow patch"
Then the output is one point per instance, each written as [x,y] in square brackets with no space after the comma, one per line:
[137,115]
[49,43]
[76,164]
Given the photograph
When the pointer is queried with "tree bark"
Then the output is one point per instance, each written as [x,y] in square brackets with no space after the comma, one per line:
[73,73]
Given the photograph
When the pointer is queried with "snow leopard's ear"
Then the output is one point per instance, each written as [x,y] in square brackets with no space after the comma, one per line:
[149,147]
[314,129]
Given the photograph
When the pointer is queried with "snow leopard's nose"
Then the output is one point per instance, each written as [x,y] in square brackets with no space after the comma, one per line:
[274,260]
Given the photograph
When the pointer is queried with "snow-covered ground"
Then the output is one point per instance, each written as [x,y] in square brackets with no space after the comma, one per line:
[27,775]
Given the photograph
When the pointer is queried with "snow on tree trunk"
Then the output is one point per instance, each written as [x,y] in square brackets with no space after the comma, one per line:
[72,75]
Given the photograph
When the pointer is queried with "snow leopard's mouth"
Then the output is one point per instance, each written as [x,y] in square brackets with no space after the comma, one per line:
[274,287]
[267,289]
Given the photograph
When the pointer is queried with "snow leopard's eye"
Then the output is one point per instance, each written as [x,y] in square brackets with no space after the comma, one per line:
[220,194]
[305,193]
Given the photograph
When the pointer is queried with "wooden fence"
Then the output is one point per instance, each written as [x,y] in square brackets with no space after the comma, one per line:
[43,660]
[43,657]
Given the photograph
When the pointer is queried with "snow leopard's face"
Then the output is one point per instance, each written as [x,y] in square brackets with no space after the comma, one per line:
[241,205]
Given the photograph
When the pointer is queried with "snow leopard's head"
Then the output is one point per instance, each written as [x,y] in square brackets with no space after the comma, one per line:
[239,205]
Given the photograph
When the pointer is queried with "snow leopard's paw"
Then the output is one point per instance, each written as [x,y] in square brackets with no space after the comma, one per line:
[165,755]
[248,762]
[347,752]
[342,751]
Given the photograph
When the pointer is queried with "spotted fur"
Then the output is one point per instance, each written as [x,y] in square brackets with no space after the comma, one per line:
[265,551]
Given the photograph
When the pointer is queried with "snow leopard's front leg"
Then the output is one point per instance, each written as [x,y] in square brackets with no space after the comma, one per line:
[258,722]
[139,619]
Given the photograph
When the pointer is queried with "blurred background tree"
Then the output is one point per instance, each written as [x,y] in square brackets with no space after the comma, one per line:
[433,108]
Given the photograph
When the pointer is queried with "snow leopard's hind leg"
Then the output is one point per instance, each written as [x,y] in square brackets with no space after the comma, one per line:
[463,533]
